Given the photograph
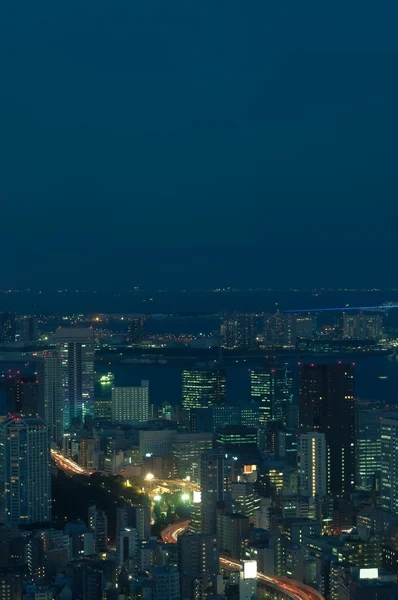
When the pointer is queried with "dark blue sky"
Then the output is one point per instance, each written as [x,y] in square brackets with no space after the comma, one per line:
[198,143]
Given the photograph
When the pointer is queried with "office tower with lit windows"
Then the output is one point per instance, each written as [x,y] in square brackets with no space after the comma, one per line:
[25,329]
[216,476]
[88,452]
[389,462]
[98,524]
[202,388]
[51,397]
[229,333]
[223,415]
[198,564]
[22,395]
[76,348]
[237,438]
[362,326]
[130,404]
[244,499]
[7,328]
[271,389]
[312,465]
[136,330]
[247,331]
[304,326]
[25,471]
[274,330]
[368,444]
[187,451]
[327,405]
[286,328]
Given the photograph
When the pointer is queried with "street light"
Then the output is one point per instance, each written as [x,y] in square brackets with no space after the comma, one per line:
[185,497]
[157,498]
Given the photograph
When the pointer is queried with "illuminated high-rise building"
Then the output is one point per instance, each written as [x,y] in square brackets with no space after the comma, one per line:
[368,444]
[389,462]
[246,330]
[22,395]
[7,328]
[202,388]
[312,465]
[271,388]
[136,330]
[327,405]
[284,329]
[25,471]
[274,330]
[76,348]
[98,524]
[130,404]
[51,398]
[198,564]
[216,476]
[26,329]
[362,326]
[229,333]
[187,451]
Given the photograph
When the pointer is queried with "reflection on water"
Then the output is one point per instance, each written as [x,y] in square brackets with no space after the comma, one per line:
[165,381]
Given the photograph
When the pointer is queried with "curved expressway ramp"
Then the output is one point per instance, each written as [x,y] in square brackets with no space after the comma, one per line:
[281,588]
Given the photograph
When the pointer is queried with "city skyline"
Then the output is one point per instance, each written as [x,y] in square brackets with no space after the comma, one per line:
[198,324]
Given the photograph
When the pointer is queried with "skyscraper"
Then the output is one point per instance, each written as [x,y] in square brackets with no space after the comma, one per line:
[202,388]
[7,328]
[22,395]
[131,404]
[327,405]
[271,388]
[136,330]
[25,475]
[362,327]
[51,398]
[98,524]
[247,330]
[368,444]
[229,333]
[76,349]
[187,451]
[26,329]
[216,475]
[312,465]
[389,462]
[274,330]
[198,564]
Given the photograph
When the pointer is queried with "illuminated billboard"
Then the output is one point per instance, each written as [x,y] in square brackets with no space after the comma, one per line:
[250,569]
[368,573]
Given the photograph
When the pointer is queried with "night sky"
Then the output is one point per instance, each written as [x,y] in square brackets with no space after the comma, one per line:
[198,143]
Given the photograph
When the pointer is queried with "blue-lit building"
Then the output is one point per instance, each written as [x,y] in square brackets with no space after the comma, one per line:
[25,471]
